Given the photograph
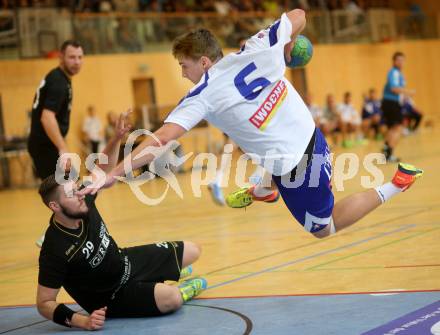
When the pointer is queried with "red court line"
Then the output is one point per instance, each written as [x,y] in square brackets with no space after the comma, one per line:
[317,294]
[412,266]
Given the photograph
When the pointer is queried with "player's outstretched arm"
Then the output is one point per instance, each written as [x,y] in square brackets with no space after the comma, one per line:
[165,134]
[111,150]
[51,310]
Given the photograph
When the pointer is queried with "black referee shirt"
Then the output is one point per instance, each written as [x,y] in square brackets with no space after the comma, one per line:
[55,94]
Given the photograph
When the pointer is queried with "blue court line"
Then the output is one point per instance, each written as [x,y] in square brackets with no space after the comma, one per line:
[315,242]
[406,227]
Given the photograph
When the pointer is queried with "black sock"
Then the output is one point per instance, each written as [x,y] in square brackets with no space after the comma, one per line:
[418,118]
[375,128]
[390,152]
[387,150]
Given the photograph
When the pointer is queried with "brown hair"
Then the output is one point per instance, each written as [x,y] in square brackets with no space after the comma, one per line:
[397,54]
[48,189]
[197,43]
[67,43]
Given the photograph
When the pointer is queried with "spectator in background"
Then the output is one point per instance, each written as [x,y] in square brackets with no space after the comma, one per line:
[356,14]
[414,23]
[271,6]
[126,35]
[349,122]
[106,6]
[314,109]
[246,6]
[92,129]
[330,117]
[352,7]
[111,126]
[371,114]
[126,6]
[222,7]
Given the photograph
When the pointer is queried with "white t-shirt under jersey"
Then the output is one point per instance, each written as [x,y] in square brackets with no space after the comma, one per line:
[246,95]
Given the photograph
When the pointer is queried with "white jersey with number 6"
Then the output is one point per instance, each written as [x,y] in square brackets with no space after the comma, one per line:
[246,95]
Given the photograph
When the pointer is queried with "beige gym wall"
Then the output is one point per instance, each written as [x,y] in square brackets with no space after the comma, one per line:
[105,81]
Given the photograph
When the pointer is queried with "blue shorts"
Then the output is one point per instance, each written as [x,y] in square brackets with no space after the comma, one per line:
[308,193]
[366,115]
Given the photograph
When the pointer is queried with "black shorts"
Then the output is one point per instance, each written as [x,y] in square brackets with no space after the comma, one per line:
[392,113]
[44,157]
[150,264]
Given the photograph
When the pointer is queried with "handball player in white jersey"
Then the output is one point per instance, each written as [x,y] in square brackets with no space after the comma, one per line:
[246,95]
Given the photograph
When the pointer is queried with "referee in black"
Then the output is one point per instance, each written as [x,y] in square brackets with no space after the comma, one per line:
[80,255]
[51,112]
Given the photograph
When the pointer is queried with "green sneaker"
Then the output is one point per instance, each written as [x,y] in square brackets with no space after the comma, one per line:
[192,288]
[347,144]
[186,272]
[240,198]
[361,141]
[245,196]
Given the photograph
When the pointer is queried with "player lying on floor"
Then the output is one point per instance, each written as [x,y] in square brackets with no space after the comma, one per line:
[80,255]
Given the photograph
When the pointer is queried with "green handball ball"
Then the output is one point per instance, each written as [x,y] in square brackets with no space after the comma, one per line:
[301,53]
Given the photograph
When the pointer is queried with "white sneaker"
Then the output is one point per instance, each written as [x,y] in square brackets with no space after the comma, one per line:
[217,194]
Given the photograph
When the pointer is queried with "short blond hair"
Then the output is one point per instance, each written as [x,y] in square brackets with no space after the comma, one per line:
[197,43]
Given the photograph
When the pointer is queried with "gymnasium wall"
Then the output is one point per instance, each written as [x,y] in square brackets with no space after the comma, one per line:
[105,81]
[357,67]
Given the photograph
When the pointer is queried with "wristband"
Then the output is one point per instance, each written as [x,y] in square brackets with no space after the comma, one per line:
[63,315]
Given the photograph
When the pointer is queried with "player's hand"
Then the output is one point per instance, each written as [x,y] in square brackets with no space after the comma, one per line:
[122,125]
[99,181]
[65,163]
[96,319]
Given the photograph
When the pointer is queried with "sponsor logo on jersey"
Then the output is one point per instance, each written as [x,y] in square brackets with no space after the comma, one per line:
[68,251]
[269,107]
[102,250]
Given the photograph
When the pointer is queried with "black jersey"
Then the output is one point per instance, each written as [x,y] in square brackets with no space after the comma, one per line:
[54,94]
[85,261]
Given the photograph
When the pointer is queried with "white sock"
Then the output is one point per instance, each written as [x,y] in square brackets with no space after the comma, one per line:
[261,191]
[387,191]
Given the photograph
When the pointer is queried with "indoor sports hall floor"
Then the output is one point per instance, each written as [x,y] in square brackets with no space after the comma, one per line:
[265,274]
